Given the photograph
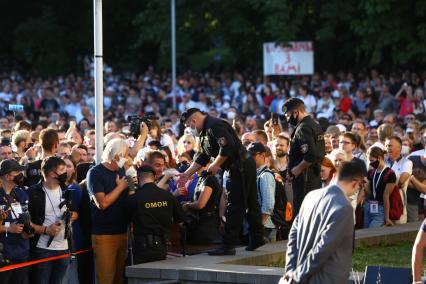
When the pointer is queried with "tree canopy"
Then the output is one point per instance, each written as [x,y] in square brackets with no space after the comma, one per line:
[52,37]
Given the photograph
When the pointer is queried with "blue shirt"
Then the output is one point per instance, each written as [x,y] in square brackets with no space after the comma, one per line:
[266,189]
[112,220]
[15,247]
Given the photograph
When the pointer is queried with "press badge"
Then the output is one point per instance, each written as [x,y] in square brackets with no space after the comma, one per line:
[17,209]
[374,207]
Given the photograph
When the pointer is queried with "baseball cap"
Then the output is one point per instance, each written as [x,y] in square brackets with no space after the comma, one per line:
[10,165]
[256,147]
[291,103]
[186,114]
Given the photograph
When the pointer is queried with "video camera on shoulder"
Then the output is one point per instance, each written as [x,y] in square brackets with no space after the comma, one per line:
[135,123]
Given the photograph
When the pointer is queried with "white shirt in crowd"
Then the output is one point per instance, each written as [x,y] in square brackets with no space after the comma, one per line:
[52,215]
[403,165]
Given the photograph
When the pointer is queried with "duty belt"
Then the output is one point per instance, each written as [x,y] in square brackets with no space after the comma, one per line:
[152,241]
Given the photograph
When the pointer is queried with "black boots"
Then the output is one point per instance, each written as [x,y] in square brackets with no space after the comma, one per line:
[223,250]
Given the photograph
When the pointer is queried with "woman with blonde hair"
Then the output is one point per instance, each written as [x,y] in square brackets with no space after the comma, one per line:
[187,144]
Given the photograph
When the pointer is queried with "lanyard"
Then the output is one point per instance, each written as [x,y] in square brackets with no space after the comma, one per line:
[51,204]
[377,182]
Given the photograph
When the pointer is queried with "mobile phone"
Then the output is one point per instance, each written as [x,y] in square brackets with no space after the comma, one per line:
[16,108]
[274,117]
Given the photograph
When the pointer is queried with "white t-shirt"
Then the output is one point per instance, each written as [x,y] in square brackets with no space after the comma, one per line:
[403,165]
[53,214]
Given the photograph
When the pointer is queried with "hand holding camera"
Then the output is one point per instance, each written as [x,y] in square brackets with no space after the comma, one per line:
[16,228]
[54,229]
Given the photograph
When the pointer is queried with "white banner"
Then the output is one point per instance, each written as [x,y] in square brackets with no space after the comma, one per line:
[291,58]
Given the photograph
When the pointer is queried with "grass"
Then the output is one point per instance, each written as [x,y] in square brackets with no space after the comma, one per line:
[396,255]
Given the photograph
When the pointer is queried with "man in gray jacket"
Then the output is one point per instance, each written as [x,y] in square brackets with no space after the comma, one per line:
[320,242]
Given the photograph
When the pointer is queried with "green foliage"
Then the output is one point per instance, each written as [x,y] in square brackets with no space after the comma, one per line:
[48,36]
[47,55]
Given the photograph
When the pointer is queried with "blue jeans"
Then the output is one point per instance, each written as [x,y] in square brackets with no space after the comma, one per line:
[51,272]
[373,220]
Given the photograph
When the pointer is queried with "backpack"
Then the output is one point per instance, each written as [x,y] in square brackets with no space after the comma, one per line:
[396,206]
[281,206]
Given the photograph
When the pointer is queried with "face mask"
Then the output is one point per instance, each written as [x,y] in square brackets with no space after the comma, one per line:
[131,172]
[19,180]
[293,120]
[121,162]
[374,164]
[231,115]
[405,150]
[62,179]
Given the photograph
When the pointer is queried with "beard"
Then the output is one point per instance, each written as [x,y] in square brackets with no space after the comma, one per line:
[281,154]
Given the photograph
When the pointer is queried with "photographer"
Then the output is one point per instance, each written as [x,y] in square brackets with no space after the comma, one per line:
[14,201]
[49,207]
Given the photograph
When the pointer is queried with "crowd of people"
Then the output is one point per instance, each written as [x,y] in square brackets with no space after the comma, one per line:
[294,135]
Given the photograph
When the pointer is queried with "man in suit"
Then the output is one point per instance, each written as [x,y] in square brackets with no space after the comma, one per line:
[320,242]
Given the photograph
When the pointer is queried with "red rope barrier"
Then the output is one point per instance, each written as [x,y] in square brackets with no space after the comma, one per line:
[29,263]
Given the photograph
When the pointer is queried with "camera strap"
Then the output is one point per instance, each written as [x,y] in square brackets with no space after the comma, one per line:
[15,206]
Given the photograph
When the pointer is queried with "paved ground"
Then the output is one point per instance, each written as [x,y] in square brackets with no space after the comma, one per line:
[241,268]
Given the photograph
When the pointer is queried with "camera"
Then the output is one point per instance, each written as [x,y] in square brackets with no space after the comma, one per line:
[275,118]
[25,219]
[135,122]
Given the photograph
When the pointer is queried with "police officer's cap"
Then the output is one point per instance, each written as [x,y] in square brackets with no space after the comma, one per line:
[186,114]
[10,165]
[145,169]
[292,103]
[256,147]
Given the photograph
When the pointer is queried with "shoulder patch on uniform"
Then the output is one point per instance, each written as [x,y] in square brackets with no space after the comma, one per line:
[304,148]
[221,141]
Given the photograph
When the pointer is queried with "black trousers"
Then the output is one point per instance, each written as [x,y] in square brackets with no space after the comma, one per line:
[242,201]
[304,183]
[86,267]
[15,276]
[142,253]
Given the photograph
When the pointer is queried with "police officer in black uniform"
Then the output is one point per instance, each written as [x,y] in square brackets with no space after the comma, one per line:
[152,211]
[307,149]
[219,140]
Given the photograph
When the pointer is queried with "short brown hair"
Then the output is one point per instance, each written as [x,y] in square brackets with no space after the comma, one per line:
[350,136]
[48,138]
[23,125]
[151,155]
[396,138]
[50,164]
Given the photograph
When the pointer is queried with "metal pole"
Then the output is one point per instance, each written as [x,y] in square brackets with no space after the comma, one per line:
[99,80]
[173,27]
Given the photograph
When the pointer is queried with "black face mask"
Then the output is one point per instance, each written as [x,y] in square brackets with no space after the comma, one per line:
[293,120]
[19,180]
[62,179]
[375,164]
